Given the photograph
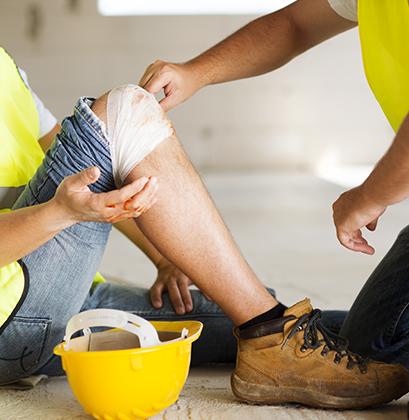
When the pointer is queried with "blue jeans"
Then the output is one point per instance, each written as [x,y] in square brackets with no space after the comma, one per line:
[377,324]
[61,271]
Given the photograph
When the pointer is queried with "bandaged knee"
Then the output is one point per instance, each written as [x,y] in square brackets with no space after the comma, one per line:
[136,125]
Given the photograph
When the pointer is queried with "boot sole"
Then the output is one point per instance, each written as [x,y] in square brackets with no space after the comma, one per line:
[273,395]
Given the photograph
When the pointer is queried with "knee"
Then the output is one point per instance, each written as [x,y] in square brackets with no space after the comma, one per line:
[135,126]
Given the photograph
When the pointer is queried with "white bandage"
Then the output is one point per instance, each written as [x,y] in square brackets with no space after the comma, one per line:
[136,124]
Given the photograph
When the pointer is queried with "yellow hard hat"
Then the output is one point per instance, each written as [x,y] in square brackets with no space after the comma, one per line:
[133,371]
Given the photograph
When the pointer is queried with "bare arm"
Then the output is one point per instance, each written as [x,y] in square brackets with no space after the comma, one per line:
[24,230]
[386,185]
[27,229]
[271,41]
[39,223]
[263,45]
[389,181]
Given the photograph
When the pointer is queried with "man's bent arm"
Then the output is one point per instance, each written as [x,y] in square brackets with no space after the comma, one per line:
[259,47]
[386,185]
[269,42]
[24,230]
[389,181]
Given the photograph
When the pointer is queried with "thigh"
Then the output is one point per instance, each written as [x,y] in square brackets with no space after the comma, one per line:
[377,324]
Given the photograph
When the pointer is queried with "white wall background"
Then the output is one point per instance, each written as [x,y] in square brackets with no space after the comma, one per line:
[316,109]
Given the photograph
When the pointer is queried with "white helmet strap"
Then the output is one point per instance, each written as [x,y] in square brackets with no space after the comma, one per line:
[114,318]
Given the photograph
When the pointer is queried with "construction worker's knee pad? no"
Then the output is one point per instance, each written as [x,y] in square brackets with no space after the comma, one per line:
[136,125]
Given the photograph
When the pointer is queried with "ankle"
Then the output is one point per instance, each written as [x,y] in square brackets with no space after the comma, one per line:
[276,312]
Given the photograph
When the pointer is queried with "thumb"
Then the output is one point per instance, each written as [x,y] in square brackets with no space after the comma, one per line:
[86,177]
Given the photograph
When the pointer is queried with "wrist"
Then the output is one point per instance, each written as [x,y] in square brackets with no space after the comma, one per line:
[59,216]
[202,72]
[370,198]
[161,263]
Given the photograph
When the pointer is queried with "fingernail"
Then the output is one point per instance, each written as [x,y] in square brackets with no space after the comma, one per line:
[93,172]
[154,180]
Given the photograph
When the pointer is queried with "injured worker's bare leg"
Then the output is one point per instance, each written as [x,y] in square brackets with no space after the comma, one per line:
[187,229]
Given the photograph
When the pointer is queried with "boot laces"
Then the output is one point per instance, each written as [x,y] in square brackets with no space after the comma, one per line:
[311,325]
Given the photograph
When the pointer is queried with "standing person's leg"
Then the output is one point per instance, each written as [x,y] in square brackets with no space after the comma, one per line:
[377,325]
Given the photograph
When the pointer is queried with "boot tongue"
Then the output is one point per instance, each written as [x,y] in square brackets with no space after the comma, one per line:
[299,309]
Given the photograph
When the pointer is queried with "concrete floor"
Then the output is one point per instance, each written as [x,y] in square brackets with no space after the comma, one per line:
[282,223]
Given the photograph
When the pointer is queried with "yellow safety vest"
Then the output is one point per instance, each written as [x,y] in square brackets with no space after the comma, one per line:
[20,156]
[384,33]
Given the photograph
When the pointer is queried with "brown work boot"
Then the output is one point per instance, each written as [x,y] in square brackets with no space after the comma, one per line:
[295,359]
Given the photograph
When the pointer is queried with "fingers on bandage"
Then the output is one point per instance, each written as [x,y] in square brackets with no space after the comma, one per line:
[136,124]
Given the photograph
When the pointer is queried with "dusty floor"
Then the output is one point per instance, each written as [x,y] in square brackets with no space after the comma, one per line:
[283,226]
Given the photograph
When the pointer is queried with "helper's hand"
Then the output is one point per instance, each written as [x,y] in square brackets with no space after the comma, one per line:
[170,279]
[178,81]
[353,211]
[79,204]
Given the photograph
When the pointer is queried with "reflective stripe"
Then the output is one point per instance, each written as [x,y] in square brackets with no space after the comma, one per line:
[9,195]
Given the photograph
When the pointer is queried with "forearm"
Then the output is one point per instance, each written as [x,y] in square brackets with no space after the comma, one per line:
[24,230]
[259,47]
[269,42]
[389,181]
[135,235]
